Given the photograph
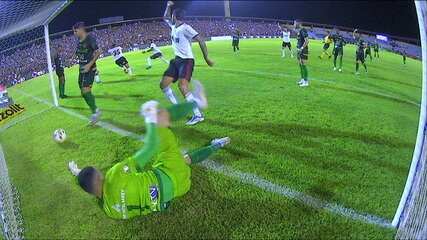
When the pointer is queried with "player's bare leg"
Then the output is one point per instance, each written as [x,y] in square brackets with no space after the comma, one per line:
[165,84]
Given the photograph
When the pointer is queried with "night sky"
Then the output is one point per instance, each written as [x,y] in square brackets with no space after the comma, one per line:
[389,17]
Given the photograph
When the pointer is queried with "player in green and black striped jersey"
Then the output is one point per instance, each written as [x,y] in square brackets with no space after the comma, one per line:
[338,50]
[59,69]
[87,53]
[360,51]
[236,40]
[302,52]
[376,50]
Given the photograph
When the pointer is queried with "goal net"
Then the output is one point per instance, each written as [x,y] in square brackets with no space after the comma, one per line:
[411,215]
[24,54]
[10,216]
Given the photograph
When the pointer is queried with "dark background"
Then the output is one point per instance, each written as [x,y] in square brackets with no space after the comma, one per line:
[389,17]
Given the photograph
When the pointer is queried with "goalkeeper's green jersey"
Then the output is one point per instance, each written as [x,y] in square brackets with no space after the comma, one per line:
[128,193]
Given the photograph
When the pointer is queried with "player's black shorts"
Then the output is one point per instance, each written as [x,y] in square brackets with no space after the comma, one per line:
[338,51]
[180,68]
[326,46]
[286,44]
[156,55]
[360,56]
[86,79]
[235,43]
[121,62]
[303,54]
[59,72]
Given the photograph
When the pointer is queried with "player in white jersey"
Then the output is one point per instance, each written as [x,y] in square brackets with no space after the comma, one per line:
[156,54]
[286,37]
[120,60]
[181,67]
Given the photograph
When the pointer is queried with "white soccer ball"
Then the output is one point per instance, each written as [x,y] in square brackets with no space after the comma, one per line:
[59,135]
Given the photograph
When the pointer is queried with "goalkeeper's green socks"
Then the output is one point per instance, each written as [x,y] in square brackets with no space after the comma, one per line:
[179,111]
[90,100]
[202,154]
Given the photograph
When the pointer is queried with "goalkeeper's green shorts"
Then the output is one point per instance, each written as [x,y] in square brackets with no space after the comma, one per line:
[171,161]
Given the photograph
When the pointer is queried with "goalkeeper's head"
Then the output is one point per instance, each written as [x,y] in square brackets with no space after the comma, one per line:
[91,180]
[79,29]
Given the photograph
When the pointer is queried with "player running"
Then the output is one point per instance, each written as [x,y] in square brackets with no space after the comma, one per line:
[119,58]
[286,40]
[360,53]
[87,53]
[338,50]
[156,54]
[326,44]
[376,50]
[368,51]
[59,69]
[181,67]
[236,40]
[302,52]
[128,190]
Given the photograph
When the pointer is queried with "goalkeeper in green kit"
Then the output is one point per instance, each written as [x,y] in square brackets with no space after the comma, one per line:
[129,188]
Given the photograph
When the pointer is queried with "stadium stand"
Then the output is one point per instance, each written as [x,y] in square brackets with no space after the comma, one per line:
[27,60]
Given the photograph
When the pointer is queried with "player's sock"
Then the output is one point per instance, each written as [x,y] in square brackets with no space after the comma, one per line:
[283,52]
[305,72]
[61,88]
[90,101]
[335,61]
[170,95]
[357,67]
[341,62]
[190,98]
[130,71]
[179,111]
[301,71]
[364,65]
[149,61]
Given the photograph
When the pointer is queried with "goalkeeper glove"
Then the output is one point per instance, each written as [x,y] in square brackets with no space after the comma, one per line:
[149,111]
[72,166]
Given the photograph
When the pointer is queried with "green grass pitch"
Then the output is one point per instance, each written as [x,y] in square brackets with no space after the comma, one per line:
[345,139]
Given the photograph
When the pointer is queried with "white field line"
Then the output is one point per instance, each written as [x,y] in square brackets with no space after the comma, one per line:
[319,80]
[249,178]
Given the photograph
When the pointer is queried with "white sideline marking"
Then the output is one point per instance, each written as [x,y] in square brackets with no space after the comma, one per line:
[249,178]
[264,184]
[320,80]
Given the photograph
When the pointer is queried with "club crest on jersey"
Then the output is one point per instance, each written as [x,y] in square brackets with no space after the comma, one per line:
[154,194]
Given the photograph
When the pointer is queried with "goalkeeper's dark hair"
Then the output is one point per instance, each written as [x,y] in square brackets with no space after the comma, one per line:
[179,13]
[85,179]
[78,25]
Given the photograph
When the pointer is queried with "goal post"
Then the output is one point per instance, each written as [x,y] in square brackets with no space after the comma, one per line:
[411,215]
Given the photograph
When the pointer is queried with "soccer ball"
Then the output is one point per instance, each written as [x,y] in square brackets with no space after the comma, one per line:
[59,135]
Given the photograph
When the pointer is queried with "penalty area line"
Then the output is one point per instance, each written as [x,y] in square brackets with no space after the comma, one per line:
[248,178]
